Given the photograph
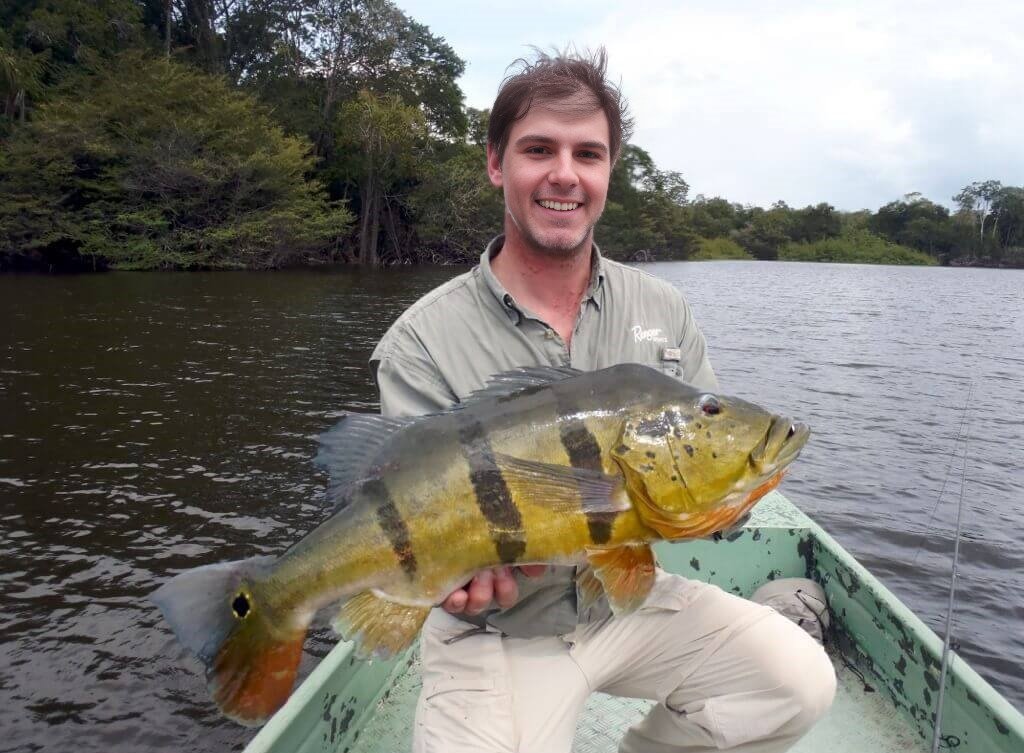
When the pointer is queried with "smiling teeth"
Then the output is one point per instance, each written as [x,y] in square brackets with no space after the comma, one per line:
[558,205]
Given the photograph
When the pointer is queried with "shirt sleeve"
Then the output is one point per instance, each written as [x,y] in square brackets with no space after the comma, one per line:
[693,349]
[409,382]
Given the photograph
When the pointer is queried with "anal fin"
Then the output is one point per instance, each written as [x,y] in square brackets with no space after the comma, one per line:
[379,627]
[626,572]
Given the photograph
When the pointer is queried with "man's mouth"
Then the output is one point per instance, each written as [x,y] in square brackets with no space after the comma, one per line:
[559,206]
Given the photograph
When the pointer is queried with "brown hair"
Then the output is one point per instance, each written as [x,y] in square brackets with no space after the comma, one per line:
[569,75]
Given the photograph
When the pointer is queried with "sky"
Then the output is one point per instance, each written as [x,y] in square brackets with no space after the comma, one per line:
[851,103]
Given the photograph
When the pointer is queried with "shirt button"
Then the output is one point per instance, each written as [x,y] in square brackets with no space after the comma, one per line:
[549,334]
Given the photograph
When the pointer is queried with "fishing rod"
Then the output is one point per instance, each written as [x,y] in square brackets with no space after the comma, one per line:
[937,732]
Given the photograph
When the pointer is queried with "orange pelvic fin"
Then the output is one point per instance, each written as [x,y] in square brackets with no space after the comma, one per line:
[626,573]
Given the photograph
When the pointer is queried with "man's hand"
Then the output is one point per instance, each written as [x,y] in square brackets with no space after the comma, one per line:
[497,584]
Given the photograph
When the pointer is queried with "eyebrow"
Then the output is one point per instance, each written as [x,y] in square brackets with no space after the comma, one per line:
[537,138]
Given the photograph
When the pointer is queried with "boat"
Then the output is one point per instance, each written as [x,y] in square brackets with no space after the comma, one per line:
[888,663]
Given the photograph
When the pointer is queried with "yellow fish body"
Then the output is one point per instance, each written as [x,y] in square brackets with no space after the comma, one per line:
[543,466]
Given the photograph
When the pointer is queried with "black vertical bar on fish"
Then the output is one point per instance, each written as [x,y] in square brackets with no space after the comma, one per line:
[584,452]
[390,521]
[492,493]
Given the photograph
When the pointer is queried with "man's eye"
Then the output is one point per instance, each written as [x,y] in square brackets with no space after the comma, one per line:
[590,155]
[536,150]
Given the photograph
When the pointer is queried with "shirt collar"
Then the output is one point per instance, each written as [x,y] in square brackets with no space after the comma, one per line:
[595,290]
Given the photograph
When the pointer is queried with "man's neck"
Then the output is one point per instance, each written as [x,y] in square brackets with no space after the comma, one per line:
[550,286]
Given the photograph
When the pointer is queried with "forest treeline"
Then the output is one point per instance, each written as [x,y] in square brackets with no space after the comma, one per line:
[198,134]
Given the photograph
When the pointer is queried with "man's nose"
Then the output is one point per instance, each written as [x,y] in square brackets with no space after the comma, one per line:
[563,171]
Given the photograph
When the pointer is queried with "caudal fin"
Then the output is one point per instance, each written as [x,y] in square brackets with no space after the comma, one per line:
[251,655]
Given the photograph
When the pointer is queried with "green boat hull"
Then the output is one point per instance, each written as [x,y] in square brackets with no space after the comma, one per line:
[887,661]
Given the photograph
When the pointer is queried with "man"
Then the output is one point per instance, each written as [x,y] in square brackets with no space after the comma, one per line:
[726,673]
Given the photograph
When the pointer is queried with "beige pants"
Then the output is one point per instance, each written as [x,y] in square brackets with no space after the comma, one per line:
[726,673]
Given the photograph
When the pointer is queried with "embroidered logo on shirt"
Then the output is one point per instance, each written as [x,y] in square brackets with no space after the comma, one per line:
[647,335]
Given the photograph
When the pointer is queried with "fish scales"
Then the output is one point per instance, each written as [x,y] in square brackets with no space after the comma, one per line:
[570,468]
[550,536]
[434,493]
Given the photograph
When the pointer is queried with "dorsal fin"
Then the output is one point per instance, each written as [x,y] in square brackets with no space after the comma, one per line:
[348,451]
[509,382]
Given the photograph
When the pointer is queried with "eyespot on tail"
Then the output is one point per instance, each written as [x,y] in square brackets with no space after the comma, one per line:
[251,658]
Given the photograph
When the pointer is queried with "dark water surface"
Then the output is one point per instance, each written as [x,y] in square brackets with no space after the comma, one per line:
[153,422]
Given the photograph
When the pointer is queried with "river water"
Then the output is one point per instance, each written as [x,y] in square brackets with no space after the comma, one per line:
[154,422]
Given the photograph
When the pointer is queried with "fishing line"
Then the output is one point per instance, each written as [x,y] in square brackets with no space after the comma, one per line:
[937,736]
[949,470]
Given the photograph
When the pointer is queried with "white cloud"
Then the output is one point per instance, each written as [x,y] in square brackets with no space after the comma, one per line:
[839,103]
[854,104]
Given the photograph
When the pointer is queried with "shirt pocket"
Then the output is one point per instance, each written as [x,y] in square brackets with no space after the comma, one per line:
[672,368]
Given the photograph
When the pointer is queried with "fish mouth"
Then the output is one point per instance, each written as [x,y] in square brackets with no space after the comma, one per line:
[779,447]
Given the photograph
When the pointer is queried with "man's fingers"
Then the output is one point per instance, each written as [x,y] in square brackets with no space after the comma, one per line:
[456,602]
[481,591]
[506,590]
[533,571]
[498,584]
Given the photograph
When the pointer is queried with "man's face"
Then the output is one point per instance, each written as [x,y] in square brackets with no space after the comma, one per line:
[555,176]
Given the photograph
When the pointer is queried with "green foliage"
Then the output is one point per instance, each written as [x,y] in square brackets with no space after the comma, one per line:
[381,140]
[645,217]
[915,222]
[455,208]
[709,249]
[855,247]
[766,231]
[713,218]
[140,163]
[815,223]
[154,165]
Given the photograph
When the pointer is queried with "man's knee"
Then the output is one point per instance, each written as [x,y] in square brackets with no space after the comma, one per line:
[790,684]
[814,689]
[804,675]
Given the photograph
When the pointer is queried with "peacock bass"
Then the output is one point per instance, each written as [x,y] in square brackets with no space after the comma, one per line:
[544,465]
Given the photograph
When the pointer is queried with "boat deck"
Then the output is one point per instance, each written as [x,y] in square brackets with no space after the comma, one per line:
[858,721]
[350,706]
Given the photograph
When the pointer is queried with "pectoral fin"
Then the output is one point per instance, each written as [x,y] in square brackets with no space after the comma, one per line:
[626,573]
[563,488]
[379,627]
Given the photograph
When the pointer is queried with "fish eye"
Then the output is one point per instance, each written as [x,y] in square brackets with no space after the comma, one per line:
[240,606]
[709,405]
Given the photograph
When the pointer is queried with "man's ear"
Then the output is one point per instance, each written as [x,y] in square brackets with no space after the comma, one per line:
[494,166]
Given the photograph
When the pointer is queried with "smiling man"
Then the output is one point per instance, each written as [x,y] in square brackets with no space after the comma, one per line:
[510,660]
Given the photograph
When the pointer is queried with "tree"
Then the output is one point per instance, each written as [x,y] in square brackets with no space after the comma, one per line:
[455,208]
[813,223]
[383,136]
[371,45]
[1008,216]
[713,218]
[152,164]
[766,231]
[644,216]
[976,199]
[43,42]
[916,222]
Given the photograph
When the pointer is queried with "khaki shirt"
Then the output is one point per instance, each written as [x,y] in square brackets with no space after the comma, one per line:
[450,341]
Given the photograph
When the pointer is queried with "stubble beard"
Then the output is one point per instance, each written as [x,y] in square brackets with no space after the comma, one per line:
[558,249]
